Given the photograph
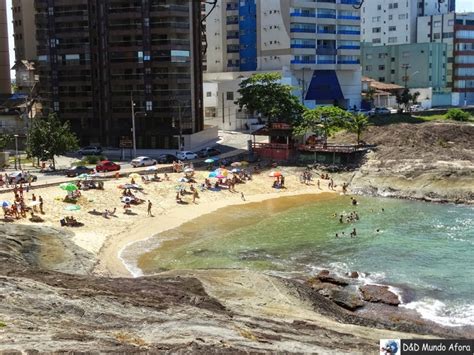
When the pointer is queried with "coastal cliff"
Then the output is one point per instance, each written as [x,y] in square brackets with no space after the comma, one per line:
[426,161]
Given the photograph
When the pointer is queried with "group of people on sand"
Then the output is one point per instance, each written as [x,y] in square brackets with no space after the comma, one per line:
[23,175]
[18,209]
[279,182]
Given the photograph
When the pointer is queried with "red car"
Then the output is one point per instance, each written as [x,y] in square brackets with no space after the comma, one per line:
[107,165]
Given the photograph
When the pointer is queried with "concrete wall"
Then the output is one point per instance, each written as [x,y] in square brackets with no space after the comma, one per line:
[202,139]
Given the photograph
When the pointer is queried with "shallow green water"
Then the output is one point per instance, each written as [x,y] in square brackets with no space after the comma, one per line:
[425,248]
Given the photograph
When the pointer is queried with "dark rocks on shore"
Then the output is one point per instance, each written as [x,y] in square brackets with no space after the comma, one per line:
[324,276]
[379,294]
[347,299]
[353,275]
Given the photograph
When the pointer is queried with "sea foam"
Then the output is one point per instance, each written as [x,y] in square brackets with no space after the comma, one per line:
[441,313]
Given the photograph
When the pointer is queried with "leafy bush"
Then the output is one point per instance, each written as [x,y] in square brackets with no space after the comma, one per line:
[93,159]
[457,114]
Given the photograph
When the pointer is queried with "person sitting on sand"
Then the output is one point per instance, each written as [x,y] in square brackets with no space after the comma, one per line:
[167,178]
[112,213]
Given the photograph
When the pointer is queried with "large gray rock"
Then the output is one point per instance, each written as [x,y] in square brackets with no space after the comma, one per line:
[379,294]
[347,299]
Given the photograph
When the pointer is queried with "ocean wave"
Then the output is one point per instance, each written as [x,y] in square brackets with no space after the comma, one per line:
[441,313]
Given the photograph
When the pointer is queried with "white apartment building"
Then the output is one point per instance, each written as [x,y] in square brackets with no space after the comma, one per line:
[315,45]
[386,22]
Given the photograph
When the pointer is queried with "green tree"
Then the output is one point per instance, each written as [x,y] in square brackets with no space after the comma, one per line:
[325,119]
[48,136]
[357,124]
[405,99]
[5,138]
[265,94]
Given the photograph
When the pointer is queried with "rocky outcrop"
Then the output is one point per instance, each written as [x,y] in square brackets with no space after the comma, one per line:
[379,294]
[347,299]
[325,276]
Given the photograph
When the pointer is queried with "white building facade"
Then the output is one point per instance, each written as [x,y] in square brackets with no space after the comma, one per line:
[314,45]
[386,22]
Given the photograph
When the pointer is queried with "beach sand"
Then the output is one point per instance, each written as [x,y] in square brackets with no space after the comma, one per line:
[106,237]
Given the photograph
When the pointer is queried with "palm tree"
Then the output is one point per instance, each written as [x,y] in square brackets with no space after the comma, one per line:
[357,124]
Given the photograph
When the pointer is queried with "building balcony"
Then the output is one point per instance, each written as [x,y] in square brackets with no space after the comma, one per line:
[303,46]
[302,14]
[232,36]
[346,32]
[350,2]
[341,17]
[348,47]
[348,62]
[232,22]
[327,31]
[326,16]
[303,30]
[326,61]
[301,61]
[327,1]
[326,50]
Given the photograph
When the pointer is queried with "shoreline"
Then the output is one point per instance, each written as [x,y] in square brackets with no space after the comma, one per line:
[109,261]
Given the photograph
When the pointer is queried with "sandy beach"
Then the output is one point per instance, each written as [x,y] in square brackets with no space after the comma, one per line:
[106,237]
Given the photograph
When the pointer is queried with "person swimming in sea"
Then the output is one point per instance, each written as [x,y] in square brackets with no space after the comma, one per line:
[340,219]
[353,233]
[337,235]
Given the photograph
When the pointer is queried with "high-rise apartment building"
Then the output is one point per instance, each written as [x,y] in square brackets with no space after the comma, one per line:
[386,22]
[24,28]
[5,85]
[315,45]
[95,57]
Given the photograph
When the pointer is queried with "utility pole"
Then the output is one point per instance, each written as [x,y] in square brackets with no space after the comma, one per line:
[180,129]
[133,125]
[223,111]
[405,78]
[303,88]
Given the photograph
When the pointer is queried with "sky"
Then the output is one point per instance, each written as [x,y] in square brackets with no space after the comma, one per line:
[462,6]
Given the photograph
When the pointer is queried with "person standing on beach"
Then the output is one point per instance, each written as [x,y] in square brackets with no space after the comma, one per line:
[242,196]
[319,185]
[149,208]
[40,199]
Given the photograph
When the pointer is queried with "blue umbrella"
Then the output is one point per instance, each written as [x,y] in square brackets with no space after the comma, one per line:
[212,174]
[5,203]
[209,161]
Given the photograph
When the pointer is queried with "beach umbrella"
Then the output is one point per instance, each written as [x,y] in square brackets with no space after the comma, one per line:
[134,176]
[236,164]
[151,168]
[275,174]
[182,179]
[67,186]
[188,170]
[34,203]
[244,163]
[126,199]
[235,170]
[212,174]
[209,161]
[84,177]
[73,208]
[5,203]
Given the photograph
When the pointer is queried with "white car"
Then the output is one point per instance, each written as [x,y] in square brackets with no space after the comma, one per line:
[186,155]
[143,161]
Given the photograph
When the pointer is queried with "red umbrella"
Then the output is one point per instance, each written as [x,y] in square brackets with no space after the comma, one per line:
[275,174]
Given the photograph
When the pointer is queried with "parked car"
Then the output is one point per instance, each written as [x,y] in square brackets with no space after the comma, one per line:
[90,150]
[379,111]
[143,161]
[78,170]
[208,152]
[186,155]
[107,165]
[416,108]
[18,177]
[166,158]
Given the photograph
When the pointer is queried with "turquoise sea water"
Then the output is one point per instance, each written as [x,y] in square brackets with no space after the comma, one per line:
[426,249]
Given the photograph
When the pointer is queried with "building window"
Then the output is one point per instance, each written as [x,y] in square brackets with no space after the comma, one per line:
[140,56]
[376,30]
[230,95]
[208,94]
[392,28]
[368,68]
[392,39]
[149,105]
[393,5]
[379,7]
[382,79]
[376,40]
[56,106]
[381,67]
